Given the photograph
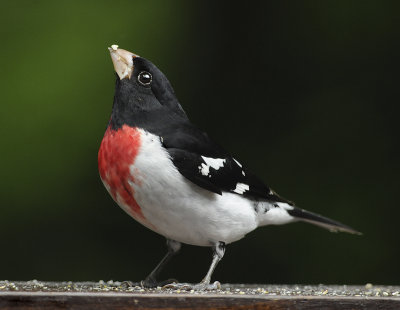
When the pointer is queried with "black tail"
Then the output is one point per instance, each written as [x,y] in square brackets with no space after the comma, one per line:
[321,221]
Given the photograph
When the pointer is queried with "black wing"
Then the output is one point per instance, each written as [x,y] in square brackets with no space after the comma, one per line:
[209,166]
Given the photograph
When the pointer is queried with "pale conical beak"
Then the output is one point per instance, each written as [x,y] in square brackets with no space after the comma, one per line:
[123,61]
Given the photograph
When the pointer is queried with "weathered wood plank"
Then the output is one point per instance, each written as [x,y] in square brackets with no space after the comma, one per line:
[115,295]
[100,301]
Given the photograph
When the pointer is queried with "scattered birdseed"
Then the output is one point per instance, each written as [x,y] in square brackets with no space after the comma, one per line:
[227,289]
[368,286]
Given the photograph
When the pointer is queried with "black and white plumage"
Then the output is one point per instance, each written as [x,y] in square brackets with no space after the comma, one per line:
[171,177]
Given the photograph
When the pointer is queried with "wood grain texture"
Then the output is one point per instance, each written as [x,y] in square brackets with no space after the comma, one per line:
[32,295]
[103,301]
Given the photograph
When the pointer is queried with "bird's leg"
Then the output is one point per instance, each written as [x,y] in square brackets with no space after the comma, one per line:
[150,281]
[218,253]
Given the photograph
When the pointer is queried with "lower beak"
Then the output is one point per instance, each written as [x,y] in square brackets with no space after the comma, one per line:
[123,61]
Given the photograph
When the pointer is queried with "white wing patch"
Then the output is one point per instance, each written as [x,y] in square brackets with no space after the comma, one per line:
[241,188]
[239,164]
[215,163]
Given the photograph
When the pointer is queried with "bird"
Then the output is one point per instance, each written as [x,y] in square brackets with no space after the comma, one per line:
[171,177]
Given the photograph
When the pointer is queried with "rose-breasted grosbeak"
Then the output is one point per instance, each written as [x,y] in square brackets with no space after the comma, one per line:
[172,178]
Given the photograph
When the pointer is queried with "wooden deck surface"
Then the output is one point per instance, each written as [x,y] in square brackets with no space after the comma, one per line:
[116,295]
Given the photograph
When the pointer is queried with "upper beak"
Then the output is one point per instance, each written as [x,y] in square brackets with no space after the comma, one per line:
[123,61]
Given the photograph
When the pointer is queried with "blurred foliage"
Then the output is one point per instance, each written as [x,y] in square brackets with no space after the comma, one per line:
[306,93]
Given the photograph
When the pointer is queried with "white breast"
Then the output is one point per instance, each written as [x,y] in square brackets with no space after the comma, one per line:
[180,210]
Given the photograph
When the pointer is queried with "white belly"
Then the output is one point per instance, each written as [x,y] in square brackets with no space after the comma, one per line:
[180,210]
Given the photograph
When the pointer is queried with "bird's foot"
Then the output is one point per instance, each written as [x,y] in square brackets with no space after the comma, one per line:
[202,286]
[152,283]
[128,284]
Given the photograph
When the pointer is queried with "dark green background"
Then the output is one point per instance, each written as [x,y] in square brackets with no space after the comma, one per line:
[306,93]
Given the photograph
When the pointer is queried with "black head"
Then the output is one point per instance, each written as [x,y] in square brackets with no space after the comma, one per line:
[141,90]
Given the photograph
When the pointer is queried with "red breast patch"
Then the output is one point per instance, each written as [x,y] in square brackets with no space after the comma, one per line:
[117,153]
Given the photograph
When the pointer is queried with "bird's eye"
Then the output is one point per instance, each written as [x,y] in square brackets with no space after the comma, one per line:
[145,78]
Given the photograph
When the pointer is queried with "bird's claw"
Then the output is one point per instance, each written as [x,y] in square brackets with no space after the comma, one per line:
[202,286]
[152,283]
[128,284]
